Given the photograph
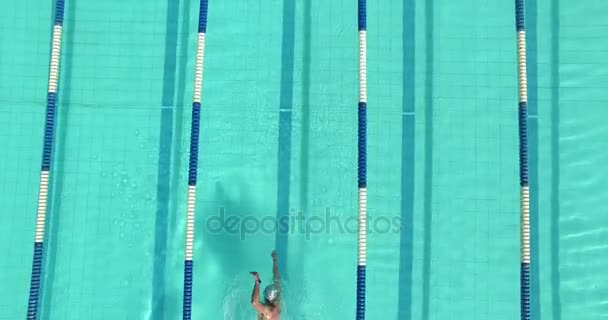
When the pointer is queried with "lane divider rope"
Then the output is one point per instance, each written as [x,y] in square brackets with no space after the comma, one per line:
[193,162]
[45,171]
[523,160]
[362,161]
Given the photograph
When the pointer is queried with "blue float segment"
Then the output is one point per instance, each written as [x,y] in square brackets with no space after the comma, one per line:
[194,137]
[362,145]
[362,15]
[187,306]
[360,292]
[49,129]
[59,9]
[525,291]
[523,144]
[202,17]
[519,15]
[32,306]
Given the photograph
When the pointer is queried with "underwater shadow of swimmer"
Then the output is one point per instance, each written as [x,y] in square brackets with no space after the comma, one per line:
[230,251]
[242,250]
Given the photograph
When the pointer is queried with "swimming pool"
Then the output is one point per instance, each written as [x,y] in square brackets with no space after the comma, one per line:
[279,135]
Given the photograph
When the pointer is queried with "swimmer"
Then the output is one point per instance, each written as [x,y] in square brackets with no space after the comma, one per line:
[271,308]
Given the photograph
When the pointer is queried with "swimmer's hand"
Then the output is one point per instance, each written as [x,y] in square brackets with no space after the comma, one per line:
[273,255]
[255,275]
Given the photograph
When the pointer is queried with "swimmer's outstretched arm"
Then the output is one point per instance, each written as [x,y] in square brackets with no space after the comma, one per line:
[276,276]
[255,295]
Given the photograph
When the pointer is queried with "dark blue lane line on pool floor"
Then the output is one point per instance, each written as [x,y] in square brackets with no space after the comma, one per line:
[408,141]
[285,128]
[428,160]
[532,58]
[305,132]
[555,162]
[163,184]
[182,74]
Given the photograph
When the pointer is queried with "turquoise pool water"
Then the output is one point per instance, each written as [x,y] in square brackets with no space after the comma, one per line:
[279,135]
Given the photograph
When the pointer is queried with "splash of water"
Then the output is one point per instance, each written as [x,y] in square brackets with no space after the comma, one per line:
[235,302]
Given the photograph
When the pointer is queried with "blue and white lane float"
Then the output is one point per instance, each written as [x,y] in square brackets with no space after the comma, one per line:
[45,172]
[523,160]
[193,162]
[362,162]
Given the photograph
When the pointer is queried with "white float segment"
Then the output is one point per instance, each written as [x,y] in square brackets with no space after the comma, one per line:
[55,57]
[362,240]
[362,66]
[200,60]
[525,224]
[190,222]
[43,196]
[521,66]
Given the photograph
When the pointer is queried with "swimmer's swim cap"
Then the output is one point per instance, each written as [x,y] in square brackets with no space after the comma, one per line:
[271,292]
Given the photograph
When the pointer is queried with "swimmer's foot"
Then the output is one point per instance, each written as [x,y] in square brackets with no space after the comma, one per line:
[255,275]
